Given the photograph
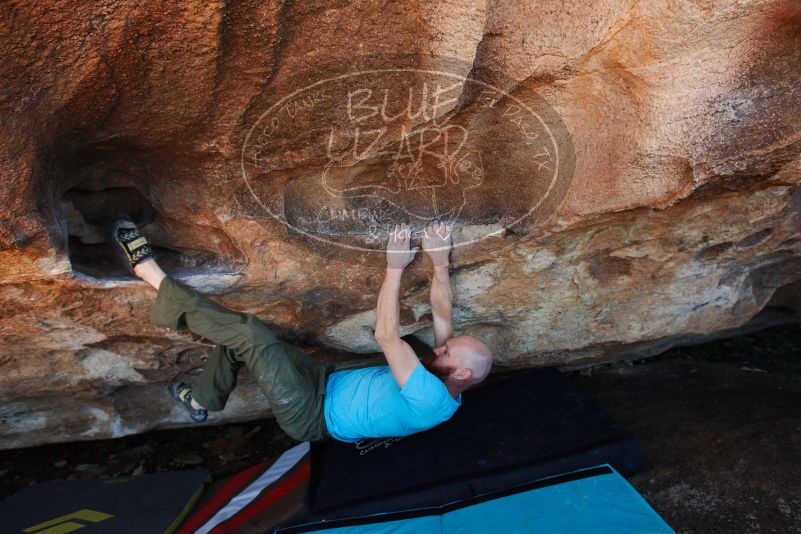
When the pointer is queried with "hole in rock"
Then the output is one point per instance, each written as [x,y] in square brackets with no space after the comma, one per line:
[786,300]
[88,214]
[755,238]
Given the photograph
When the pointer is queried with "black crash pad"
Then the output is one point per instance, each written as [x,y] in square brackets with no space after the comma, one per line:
[149,503]
[506,433]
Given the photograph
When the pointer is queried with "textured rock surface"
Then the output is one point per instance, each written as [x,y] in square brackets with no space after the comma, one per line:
[680,217]
[721,457]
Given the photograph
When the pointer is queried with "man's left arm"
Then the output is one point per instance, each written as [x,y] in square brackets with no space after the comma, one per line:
[437,245]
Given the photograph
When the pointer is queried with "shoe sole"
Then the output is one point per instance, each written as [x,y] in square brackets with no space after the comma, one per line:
[118,250]
[174,395]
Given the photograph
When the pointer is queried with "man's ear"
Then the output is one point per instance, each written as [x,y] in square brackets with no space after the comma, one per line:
[464,373]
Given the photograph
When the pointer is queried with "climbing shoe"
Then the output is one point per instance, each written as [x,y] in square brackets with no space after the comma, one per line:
[129,243]
[183,394]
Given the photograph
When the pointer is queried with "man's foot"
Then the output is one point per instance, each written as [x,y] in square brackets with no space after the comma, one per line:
[183,393]
[130,245]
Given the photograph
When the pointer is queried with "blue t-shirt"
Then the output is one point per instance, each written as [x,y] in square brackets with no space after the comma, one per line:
[367,403]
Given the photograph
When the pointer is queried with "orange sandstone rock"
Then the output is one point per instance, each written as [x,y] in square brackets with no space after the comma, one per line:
[623,177]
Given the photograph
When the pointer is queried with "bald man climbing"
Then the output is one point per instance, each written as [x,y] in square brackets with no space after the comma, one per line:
[405,397]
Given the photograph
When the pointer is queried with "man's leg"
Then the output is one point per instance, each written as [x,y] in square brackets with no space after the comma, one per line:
[295,387]
[292,383]
[218,379]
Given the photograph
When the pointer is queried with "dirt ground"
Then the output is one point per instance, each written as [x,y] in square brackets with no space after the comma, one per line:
[720,425]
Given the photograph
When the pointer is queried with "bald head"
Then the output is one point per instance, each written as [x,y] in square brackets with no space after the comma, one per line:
[471,353]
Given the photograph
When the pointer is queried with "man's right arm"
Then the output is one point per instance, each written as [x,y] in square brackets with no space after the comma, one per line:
[400,356]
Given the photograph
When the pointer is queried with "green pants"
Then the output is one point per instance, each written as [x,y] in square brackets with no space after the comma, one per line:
[292,382]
